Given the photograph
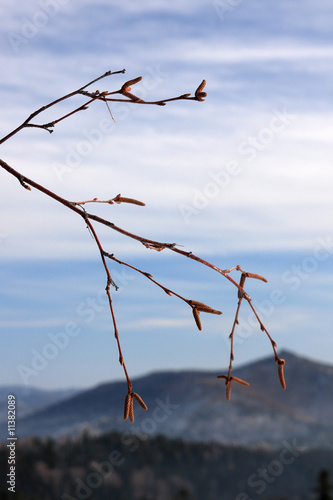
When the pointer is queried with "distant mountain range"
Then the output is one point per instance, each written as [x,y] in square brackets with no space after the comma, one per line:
[191,405]
[30,400]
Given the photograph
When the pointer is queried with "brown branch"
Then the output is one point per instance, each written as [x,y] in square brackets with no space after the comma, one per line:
[26,123]
[152,244]
[77,207]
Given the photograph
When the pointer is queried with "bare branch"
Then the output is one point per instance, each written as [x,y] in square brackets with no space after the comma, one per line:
[78,207]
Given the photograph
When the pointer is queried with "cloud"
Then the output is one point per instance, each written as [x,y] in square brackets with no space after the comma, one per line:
[225,178]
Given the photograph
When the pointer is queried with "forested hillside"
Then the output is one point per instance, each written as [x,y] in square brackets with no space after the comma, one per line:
[122,467]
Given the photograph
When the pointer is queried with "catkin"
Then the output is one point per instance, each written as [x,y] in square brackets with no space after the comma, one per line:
[196,316]
[127,405]
[256,276]
[200,88]
[132,96]
[240,381]
[121,199]
[131,411]
[204,308]
[139,400]
[127,85]
[241,284]
[280,363]
[228,393]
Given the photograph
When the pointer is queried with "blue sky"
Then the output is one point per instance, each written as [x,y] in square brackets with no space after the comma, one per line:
[242,178]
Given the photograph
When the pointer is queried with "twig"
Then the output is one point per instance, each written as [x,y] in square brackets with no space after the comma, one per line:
[78,207]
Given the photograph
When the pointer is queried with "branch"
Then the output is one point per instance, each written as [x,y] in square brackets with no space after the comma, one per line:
[127,95]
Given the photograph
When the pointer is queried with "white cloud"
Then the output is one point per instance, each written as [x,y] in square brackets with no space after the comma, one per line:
[262,58]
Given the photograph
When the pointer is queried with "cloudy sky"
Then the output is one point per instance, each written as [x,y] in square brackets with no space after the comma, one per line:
[244,178]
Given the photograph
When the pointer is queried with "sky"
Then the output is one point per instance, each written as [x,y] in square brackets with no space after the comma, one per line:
[243,178]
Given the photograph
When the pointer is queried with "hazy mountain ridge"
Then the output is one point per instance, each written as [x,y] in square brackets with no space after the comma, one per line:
[191,405]
[30,399]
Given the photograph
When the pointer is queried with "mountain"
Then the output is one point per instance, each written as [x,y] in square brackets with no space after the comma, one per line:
[29,399]
[191,405]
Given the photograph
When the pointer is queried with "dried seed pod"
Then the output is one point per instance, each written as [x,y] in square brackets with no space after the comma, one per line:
[139,400]
[196,316]
[128,401]
[280,363]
